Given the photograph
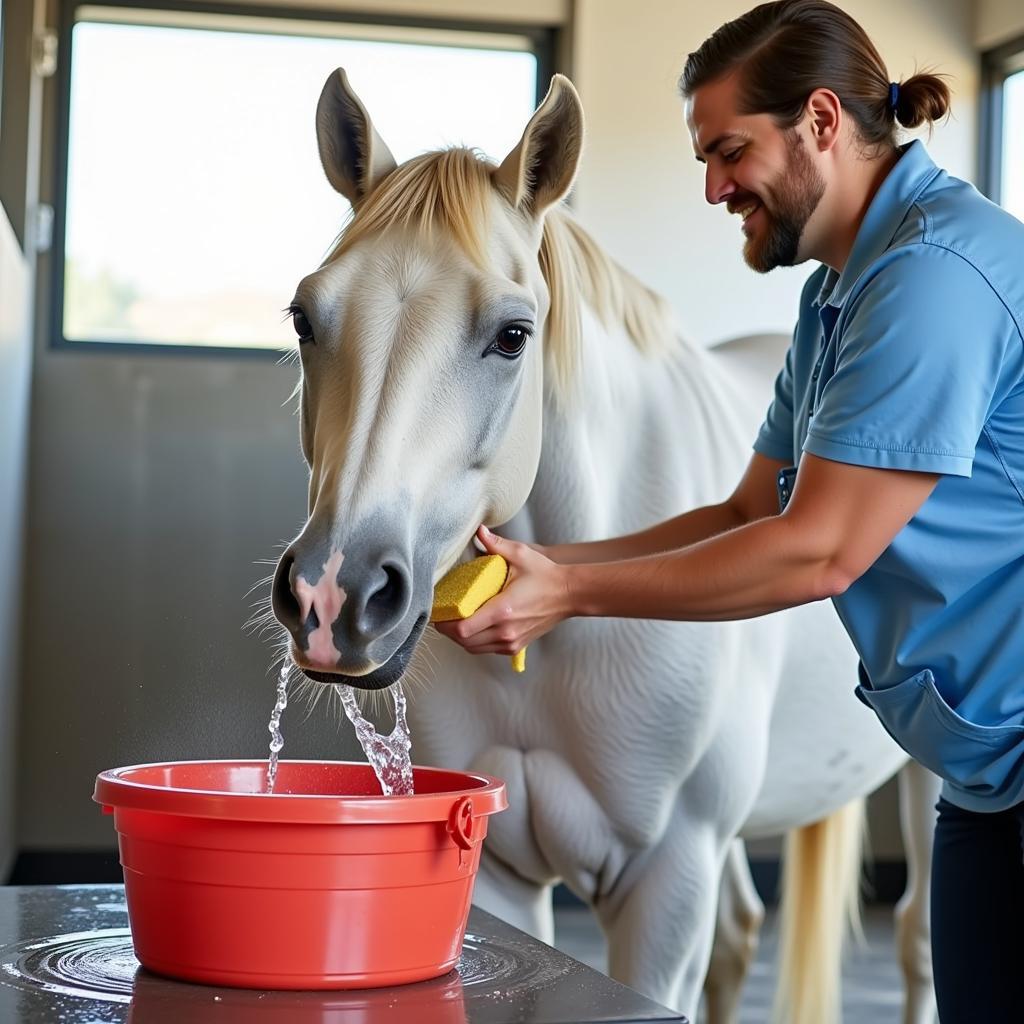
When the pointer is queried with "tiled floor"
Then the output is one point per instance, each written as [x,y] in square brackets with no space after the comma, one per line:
[872,987]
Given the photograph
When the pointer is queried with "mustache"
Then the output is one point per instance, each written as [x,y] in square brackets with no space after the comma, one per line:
[735,203]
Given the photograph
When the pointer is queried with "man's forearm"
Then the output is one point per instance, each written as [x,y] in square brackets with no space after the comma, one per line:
[679,532]
[752,570]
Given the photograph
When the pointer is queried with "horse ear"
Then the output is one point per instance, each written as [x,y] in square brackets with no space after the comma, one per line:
[353,155]
[540,170]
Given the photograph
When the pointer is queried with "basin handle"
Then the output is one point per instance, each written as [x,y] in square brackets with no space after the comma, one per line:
[460,824]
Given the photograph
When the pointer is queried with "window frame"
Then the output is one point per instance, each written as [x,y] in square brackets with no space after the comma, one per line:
[544,39]
[997,65]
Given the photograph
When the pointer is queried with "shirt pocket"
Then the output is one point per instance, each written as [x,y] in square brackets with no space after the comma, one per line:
[978,759]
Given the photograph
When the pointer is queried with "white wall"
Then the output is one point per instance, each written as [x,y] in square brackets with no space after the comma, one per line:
[997,21]
[641,191]
[15,365]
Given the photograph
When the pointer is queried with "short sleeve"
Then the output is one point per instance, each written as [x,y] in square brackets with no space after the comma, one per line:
[922,346]
[775,438]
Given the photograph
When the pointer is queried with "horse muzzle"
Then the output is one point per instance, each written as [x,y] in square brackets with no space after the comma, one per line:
[378,678]
[353,614]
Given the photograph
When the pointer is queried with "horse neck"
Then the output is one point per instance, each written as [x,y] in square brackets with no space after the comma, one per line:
[647,437]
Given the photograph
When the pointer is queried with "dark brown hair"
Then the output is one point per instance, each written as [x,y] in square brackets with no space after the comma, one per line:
[787,49]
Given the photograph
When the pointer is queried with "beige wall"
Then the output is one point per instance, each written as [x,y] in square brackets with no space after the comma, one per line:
[997,21]
[641,191]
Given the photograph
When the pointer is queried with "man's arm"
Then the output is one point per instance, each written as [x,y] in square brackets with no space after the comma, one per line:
[755,497]
[840,518]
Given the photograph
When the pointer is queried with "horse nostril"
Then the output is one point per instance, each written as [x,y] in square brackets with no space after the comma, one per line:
[282,600]
[392,589]
[387,605]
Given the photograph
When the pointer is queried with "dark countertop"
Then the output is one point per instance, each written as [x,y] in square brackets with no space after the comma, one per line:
[66,958]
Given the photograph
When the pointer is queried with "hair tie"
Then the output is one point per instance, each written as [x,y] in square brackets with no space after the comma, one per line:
[894,95]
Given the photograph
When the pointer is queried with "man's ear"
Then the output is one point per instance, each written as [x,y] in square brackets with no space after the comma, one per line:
[353,155]
[825,114]
[540,170]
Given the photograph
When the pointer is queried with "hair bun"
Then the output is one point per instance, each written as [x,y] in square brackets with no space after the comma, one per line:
[921,98]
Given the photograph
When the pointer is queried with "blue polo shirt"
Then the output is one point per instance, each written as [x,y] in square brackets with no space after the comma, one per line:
[912,358]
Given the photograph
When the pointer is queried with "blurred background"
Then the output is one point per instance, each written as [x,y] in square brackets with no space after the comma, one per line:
[161,197]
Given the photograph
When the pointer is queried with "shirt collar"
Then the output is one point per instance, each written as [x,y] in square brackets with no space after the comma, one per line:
[910,176]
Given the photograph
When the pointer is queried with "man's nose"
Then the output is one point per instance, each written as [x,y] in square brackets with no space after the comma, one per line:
[718,185]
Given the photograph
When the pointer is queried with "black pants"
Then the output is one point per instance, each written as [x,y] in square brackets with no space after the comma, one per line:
[978,915]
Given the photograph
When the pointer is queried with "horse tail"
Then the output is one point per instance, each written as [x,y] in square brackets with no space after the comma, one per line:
[821,881]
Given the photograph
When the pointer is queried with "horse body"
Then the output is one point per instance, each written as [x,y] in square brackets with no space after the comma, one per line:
[630,742]
[635,752]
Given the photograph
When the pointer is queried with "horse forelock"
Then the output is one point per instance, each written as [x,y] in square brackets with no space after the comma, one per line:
[452,190]
[447,189]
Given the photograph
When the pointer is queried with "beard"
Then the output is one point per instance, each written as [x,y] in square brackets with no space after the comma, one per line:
[789,205]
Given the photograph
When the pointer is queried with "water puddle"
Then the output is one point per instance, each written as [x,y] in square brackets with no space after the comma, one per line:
[98,964]
[102,965]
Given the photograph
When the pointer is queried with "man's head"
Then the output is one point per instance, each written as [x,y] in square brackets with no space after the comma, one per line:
[778,102]
[764,173]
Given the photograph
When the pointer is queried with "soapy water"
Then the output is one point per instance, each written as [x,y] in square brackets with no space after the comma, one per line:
[388,755]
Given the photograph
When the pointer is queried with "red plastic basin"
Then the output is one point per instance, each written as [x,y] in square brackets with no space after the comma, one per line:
[323,884]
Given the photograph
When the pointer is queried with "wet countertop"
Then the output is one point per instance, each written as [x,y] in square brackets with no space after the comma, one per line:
[66,958]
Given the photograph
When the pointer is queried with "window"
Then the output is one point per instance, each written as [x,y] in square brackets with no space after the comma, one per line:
[194,197]
[1003,127]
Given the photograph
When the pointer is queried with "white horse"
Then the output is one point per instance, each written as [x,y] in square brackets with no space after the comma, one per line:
[470,355]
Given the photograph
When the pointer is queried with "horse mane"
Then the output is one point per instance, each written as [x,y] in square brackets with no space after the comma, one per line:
[452,189]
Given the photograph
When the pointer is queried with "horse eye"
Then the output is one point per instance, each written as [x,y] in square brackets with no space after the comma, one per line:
[511,341]
[302,326]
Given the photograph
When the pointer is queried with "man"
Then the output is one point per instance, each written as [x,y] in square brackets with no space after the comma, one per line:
[894,444]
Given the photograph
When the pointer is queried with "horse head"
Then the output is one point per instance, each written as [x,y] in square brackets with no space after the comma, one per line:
[420,340]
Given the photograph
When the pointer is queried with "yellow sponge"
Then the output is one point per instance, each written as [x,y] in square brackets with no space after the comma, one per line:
[460,592]
[465,588]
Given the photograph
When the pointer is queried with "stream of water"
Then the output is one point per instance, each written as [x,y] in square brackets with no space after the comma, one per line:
[388,755]
[276,739]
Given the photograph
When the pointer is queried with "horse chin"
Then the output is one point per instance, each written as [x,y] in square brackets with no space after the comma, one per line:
[385,675]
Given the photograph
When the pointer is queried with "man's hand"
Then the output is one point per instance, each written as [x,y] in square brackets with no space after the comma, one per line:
[534,600]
